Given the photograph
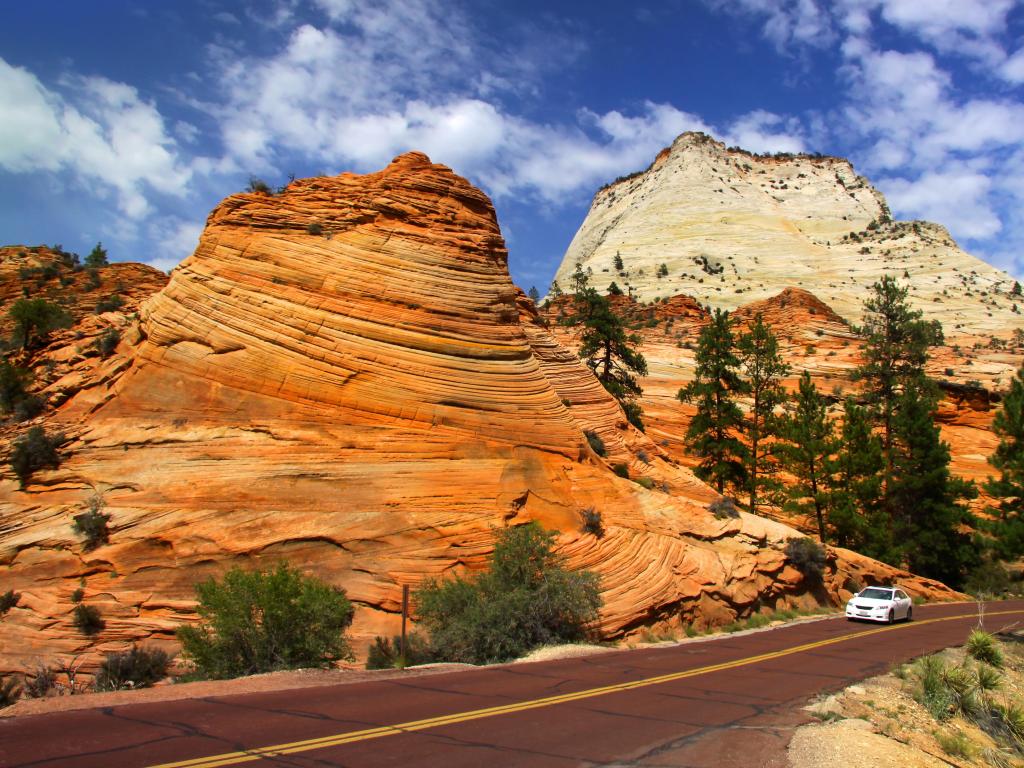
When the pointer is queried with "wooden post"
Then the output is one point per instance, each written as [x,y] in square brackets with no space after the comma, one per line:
[405,617]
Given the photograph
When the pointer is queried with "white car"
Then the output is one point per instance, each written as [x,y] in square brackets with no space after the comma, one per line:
[880,604]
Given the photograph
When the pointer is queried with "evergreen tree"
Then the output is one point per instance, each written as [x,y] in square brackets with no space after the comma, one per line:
[555,290]
[808,435]
[35,319]
[534,294]
[614,290]
[895,352]
[610,352]
[580,279]
[97,257]
[712,432]
[929,520]
[763,369]
[854,480]
[617,262]
[1008,458]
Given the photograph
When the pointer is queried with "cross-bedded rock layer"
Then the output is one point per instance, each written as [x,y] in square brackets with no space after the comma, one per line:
[344,376]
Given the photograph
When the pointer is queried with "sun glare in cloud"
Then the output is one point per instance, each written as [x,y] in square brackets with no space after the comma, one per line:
[335,84]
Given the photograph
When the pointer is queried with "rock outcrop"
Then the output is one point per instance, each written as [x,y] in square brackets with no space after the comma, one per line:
[732,227]
[344,376]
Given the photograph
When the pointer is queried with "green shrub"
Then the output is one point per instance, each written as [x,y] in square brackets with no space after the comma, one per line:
[596,443]
[13,383]
[987,679]
[387,654]
[989,579]
[621,469]
[314,229]
[92,524]
[259,621]
[983,647]
[107,342]
[111,303]
[35,319]
[33,451]
[77,595]
[525,598]
[645,482]
[87,619]
[807,556]
[8,600]
[259,185]
[590,522]
[138,667]
[9,691]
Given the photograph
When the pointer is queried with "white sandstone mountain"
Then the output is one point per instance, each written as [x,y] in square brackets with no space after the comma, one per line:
[732,227]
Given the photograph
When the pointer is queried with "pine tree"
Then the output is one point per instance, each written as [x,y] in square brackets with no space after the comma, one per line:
[1008,458]
[36,319]
[534,294]
[854,479]
[763,369]
[808,443]
[617,262]
[712,432]
[895,352]
[610,352]
[97,257]
[929,520]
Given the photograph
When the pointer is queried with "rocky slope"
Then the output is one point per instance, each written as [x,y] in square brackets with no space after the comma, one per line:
[344,376]
[732,227]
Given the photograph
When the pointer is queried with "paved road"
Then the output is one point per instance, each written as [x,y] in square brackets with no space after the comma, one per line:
[723,702]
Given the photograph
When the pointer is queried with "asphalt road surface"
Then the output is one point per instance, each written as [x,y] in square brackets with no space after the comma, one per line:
[732,701]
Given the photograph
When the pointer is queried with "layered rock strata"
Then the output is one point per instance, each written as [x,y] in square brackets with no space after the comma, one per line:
[344,376]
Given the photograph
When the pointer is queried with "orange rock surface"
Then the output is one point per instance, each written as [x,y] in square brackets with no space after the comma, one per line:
[344,376]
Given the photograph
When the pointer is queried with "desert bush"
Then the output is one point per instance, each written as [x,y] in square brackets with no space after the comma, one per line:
[92,523]
[645,482]
[387,654]
[13,383]
[33,451]
[35,319]
[596,443]
[259,185]
[259,621]
[723,508]
[8,600]
[28,407]
[525,598]
[111,303]
[955,744]
[983,647]
[40,684]
[807,556]
[590,522]
[621,469]
[989,579]
[107,342]
[138,667]
[314,229]
[77,595]
[88,620]
[9,691]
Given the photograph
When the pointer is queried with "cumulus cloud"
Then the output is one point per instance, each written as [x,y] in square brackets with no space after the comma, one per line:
[955,197]
[98,130]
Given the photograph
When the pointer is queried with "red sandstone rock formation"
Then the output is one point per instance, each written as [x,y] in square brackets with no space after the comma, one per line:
[344,376]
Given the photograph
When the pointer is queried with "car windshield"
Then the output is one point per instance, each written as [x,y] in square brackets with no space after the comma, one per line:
[874,593]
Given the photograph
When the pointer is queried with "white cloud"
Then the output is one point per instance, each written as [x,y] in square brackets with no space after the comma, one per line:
[786,22]
[955,197]
[101,132]
[762,131]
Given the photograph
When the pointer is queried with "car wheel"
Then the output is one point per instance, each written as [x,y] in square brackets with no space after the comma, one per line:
[892,616]
[910,614]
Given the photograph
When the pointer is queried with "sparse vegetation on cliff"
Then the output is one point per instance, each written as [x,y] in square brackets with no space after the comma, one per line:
[138,667]
[35,320]
[33,451]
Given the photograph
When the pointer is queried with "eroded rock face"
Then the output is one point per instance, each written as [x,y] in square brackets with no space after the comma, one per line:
[731,228]
[344,376]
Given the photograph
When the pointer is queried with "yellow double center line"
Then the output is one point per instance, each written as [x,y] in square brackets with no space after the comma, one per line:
[233,758]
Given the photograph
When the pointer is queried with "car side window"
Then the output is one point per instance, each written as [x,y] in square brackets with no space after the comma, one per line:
[901,594]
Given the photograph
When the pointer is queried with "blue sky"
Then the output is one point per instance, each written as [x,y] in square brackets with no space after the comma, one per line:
[127,122]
